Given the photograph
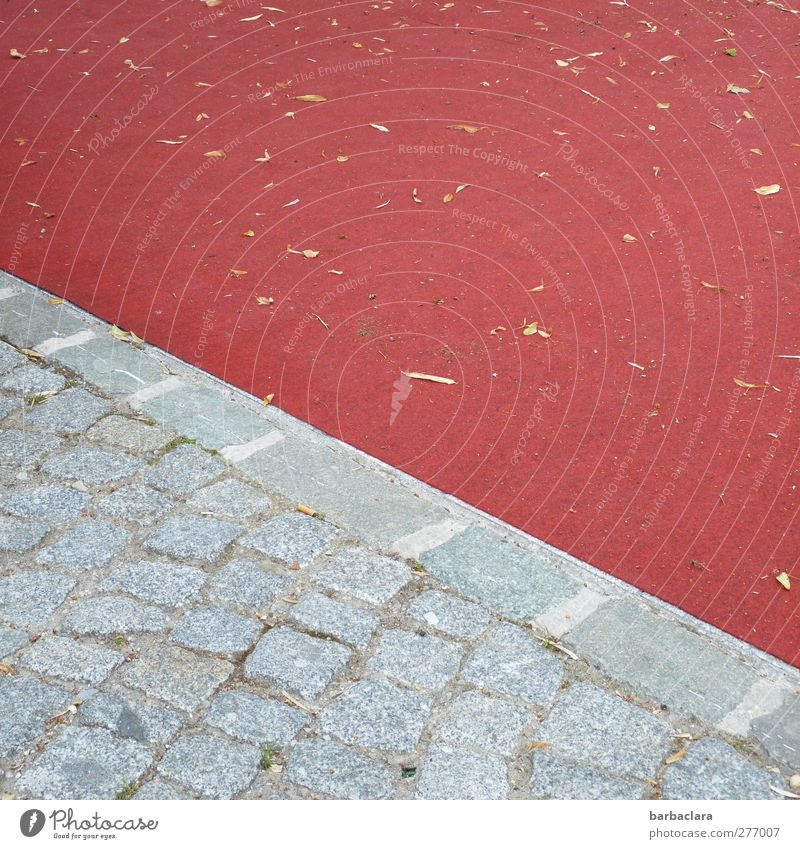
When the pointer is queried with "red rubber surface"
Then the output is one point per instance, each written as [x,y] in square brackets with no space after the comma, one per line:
[668,475]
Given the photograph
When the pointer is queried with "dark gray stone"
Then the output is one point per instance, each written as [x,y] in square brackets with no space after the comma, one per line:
[130,719]
[328,768]
[361,574]
[193,538]
[86,546]
[256,720]
[217,631]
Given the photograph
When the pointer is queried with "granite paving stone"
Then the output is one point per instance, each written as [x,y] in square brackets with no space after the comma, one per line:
[256,720]
[183,470]
[60,657]
[451,773]
[85,763]
[174,675]
[11,641]
[19,535]
[92,466]
[32,380]
[587,724]
[317,612]
[51,503]
[171,584]
[193,538]
[139,504]
[712,769]
[419,659]
[555,778]
[158,790]
[297,662]
[291,538]
[244,582]
[129,433]
[19,448]
[29,598]
[216,630]
[211,766]
[130,719]
[8,405]
[10,358]
[107,616]
[25,705]
[512,662]
[331,769]
[361,574]
[377,715]
[779,732]
[232,499]
[477,721]
[449,614]
[86,546]
[71,411]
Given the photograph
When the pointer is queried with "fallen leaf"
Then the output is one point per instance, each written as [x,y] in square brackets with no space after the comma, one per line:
[124,335]
[264,300]
[737,89]
[237,272]
[342,158]
[267,399]
[662,105]
[628,238]
[711,286]
[31,354]
[678,756]
[415,196]
[667,58]
[447,198]
[746,385]
[312,98]
[416,375]
[55,300]
[530,329]
[168,141]
[731,51]
[783,580]
[772,189]
[465,128]
[215,154]
[253,18]
[379,127]
[6,670]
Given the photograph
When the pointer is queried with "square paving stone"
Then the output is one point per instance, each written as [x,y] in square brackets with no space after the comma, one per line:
[18,535]
[32,380]
[256,720]
[20,448]
[554,778]
[361,574]
[28,598]
[10,358]
[85,763]
[779,732]
[291,538]
[139,504]
[131,719]
[449,614]
[245,582]
[193,538]
[184,469]
[51,503]
[588,724]
[212,767]
[479,722]
[231,498]
[130,434]
[317,612]
[71,411]
[92,466]
[217,631]
[177,676]
[712,769]
[511,662]
[107,616]
[25,705]
[328,768]
[377,715]
[416,659]
[172,584]
[59,657]
[86,546]
[450,773]
[299,663]
[11,641]
[159,791]
[8,405]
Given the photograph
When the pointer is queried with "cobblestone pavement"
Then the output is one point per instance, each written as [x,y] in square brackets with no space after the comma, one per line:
[172,626]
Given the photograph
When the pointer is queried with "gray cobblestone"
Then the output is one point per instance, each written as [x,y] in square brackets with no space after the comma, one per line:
[18,535]
[85,763]
[317,612]
[256,720]
[511,662]
[50,503]
[245,582]
[377,715]
[291,538]
[450,773]
[476,721]
[9,358]
[588,724]
[449,614]
[92,466]
[8,405]
[184,469]
[71,411]
[88,545]
[25,705]
[129,434]
[158,790]
[212,767]
[19,449]
[106,616]
[60,657]
[193,538]
[299,663]
[11,641]
[555,778]
[232,499]
[327,767]
[216,630]
[172,584]
[416,659]
[28,598]
[138,504]
[32,380]
[779,732]
[130,719]
[359,573]
[177,676]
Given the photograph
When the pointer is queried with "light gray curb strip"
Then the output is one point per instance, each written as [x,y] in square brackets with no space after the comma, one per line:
[652,647]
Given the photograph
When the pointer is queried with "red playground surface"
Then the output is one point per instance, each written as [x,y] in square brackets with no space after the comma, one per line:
[582,214]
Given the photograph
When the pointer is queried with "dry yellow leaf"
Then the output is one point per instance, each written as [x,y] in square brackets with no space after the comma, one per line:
[465,128]
[673,759]
[249,234]
[530,329]
[628,238]
[772,189]
[562,63]
[783,580]
[265,300]
[447,198]
[662,105]
[267,399]
[342,158]
[237,272]
[215,154]
[746,385]
[311,98]
[55,300]
[737,89]
[5,669]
